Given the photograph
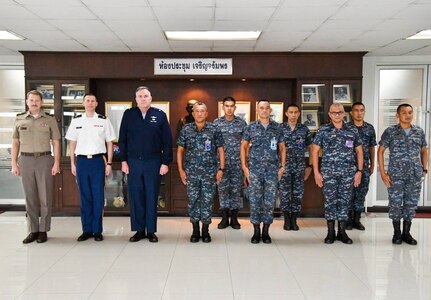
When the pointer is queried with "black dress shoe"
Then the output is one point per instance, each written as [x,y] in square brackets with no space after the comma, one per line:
[31,238]
[85,236]
[42,237]
[98,237]
[152,237]
[139,235]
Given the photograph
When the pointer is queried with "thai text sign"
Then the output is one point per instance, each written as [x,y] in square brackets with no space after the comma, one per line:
[193,66]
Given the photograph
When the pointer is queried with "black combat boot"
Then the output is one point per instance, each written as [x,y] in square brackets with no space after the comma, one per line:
[265,234]
[293,218]
[224,219]
[206,238]
[356,220]
[255,239]
[287,225]
[330,238]
[406,237]
[396,239]
[196,235]
[342,235]
[349,223]
[234,219]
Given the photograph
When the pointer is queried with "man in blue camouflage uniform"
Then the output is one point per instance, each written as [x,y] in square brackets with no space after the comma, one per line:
[368,137]
[342,163]
[201,141]
[229,189]
[263,143]
[297,138]
[408,158]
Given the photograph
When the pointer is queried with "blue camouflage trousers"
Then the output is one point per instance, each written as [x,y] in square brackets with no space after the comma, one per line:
[229,189]
[200,191]
[404,194]
[359,193]
[337,189]
[262,192]
[291,190]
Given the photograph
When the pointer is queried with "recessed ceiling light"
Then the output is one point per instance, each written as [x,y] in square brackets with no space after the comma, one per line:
[421,35]
[7,35]
[192,79]
[213,35]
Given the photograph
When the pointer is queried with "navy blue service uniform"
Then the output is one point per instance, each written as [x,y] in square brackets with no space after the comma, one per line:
[405,169]
[88,137]
[338,168]
[145,144]
[200,165]
[291,185]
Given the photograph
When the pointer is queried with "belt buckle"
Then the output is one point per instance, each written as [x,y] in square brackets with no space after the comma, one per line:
[36,154]
[90,156]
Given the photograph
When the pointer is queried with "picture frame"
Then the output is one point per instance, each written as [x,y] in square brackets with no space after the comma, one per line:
[162,105]
[242,110]
[47,91]
[347,117]
[277,111]
[114,111]
[310,94]
[341,93]
[310,118]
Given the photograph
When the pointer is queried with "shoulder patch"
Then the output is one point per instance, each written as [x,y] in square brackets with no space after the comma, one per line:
[77,116]
[101,116]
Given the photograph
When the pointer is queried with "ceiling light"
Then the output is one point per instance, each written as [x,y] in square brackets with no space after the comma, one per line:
[213,35]
[421,35]
[7,35]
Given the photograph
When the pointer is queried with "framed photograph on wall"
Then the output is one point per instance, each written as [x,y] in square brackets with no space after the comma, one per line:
[341,93]
[47,91]
[310,94]
[162,105]
[114,111]
[310,118]
[346,117]
[242,110]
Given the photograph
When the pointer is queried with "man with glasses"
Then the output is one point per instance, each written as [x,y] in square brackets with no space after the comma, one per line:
[408,165]
[341,169]
[368,137]
[145,151]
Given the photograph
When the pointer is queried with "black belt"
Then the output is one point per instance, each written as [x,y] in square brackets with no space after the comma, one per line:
[36,154]
[90,156]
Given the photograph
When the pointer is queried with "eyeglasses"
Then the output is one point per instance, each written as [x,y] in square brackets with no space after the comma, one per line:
[336,113]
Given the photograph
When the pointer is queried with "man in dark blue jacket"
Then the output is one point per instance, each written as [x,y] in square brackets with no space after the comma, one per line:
[145,151]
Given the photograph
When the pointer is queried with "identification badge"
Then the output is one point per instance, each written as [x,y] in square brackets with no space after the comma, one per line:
[273,144]
[300,143]
[349,144]
[207,145]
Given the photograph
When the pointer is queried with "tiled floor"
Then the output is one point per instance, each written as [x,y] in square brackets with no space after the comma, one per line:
[297,265]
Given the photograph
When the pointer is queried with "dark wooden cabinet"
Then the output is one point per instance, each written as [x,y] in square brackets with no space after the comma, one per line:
[279,77]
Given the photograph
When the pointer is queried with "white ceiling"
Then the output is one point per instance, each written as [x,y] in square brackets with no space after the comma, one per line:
[376,26]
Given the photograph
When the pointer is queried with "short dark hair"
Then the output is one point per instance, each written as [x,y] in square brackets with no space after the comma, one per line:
[292,105]
[36,93]
[89,94]
[142,88]
[403,105]
[229,99]
[357,103]
[263,100]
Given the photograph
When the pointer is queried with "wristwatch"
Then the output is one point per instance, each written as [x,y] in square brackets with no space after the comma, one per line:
[425,171]
[359,171]
[220,169]
[109,164]
[281,167]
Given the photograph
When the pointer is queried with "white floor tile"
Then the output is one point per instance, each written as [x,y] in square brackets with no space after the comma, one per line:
[297,265]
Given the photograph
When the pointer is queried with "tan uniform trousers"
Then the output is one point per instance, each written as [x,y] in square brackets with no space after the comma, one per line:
[37,182]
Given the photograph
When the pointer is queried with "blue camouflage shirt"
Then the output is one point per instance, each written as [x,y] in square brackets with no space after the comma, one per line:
[404,150]
[368,137]
[263,142]
[296,141]
[201,154]
[232,132]
[338,146]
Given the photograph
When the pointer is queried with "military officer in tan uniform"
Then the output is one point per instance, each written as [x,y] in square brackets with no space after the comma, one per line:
[33,133]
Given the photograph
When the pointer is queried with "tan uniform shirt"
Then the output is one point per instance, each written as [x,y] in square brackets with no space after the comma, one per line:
[35,134]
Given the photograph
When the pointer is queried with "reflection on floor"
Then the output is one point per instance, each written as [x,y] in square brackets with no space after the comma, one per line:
[297,265]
